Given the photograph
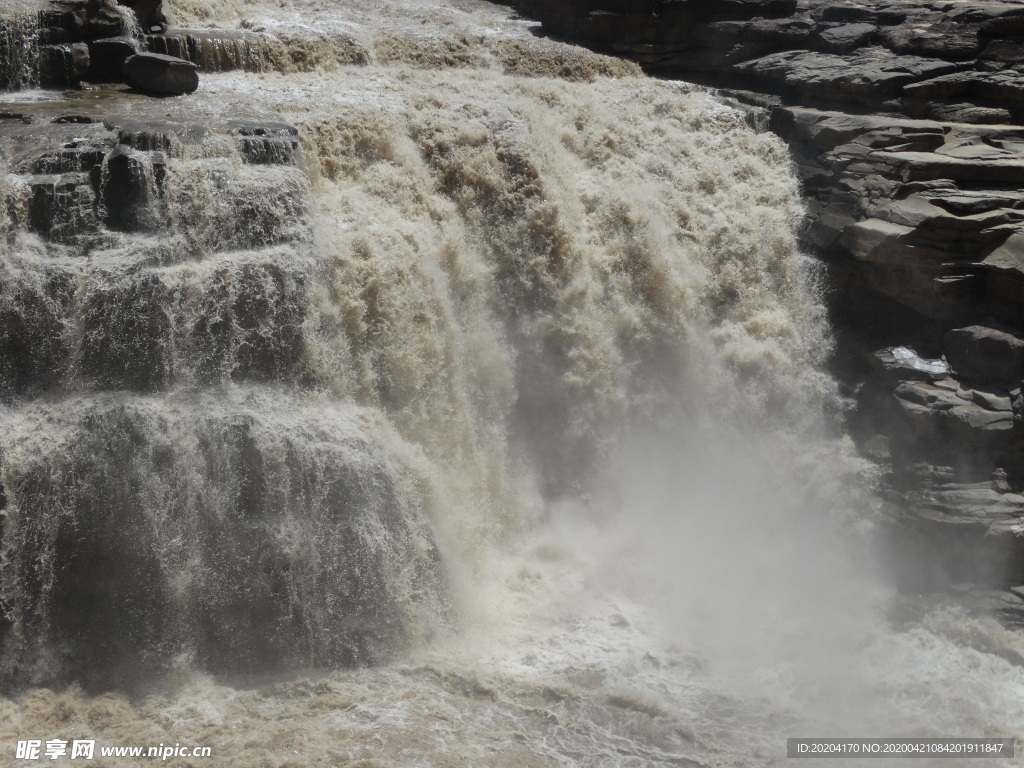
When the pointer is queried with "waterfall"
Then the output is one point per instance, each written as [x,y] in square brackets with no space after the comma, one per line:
[130,26]
[19,49]
[434,393]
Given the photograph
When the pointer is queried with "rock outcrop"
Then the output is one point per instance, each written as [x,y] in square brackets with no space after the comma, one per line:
[107,57]
[940,60]
[90,40]
[906,123]
[159,74]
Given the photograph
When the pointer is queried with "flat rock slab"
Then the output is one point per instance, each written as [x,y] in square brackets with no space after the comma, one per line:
[161,75]
[870,72]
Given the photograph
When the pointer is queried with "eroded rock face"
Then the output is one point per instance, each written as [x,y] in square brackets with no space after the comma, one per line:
[918,58]
[89,184]
[986,354]
[107,57]
[89,40]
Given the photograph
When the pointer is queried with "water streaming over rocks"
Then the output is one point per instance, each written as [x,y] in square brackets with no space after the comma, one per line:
[434,395]
[19,48]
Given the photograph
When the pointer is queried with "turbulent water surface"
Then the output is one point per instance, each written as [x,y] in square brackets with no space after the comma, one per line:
[539,327]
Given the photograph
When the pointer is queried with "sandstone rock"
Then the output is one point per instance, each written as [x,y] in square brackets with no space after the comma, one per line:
[967,231]
[972,501]
[107,57]
[263,143]
[988,14]
[131,190]
[925,166]
[61,207]
[848,13]
[215,50]
[995,86]
[878,240]
[786,33]
[1007,258]
[157,135]
[845,37]
[1003,51]
[106,22]
[970,201]
[946,42]
[948,534]
[64,64]
[161,75]
[991,400]
[873,75]
[785,47]
[968,113]
[982,354]
[938,414]
[62,24]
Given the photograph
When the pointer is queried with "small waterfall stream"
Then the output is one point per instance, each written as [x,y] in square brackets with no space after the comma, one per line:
[19,49]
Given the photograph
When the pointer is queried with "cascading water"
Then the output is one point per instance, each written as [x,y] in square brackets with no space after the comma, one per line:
[19,48]
[459,402]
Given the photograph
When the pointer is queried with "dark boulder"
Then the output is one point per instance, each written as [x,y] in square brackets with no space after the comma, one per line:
[131,190]
[107,57]
[161,75]
[63,64]
[986,354]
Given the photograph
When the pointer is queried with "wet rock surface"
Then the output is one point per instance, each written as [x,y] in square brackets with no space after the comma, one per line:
[90,41]
[906,123]
[150,14]
[107,57]
[161,74]
[99,184]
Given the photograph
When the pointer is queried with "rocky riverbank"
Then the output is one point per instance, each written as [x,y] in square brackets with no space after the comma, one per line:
[905,123]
